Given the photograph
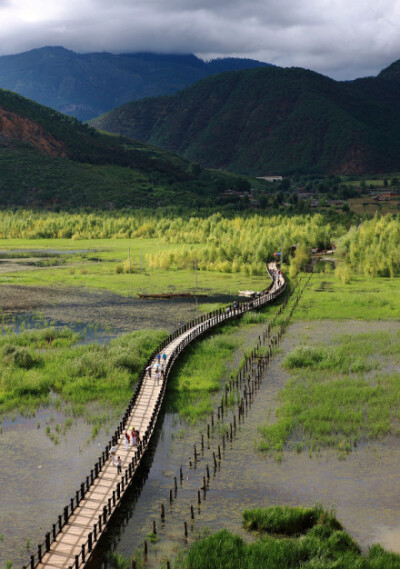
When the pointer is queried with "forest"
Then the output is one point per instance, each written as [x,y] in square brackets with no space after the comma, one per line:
[229,244]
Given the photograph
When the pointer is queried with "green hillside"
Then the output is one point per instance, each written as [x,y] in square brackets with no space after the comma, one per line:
[273,121]
[50,160]
[86,85]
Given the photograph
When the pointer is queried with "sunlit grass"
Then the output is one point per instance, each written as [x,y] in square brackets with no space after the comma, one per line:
[99,269]
[364,298]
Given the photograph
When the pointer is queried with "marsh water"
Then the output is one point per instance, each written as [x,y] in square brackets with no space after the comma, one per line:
[37,478]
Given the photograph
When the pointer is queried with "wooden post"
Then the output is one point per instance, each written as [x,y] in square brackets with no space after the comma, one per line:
[191,512]
[162,512]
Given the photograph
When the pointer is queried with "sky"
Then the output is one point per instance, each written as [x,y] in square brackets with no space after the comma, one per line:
[343,39]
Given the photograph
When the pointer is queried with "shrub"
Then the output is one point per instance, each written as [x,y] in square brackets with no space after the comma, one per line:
[284,520]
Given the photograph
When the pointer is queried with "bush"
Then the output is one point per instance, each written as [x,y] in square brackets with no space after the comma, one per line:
[284,520]
[19,357]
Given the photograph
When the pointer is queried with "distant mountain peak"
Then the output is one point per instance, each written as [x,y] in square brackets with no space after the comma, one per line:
[86,85]
[392,72]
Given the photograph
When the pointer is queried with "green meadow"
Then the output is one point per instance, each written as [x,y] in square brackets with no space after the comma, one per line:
[99,263]
[363,298]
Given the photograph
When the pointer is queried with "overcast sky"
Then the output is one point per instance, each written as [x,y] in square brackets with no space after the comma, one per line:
[340,38]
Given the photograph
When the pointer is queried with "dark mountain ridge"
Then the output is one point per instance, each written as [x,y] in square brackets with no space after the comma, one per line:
[86,85]
[48,159]
[274,120]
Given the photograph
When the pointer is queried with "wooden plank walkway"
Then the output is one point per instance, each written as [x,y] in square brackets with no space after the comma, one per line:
[73,537]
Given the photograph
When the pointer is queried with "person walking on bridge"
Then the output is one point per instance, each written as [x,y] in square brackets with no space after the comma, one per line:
[133,436]
[112,454]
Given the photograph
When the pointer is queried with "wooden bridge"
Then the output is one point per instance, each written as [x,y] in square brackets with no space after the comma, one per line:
[73,537]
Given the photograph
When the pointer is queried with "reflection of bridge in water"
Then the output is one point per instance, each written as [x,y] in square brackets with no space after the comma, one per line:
[72,539]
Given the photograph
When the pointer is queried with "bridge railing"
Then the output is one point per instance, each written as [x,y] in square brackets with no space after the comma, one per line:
[199,325]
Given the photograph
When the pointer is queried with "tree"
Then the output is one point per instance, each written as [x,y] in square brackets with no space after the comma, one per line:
[284,185]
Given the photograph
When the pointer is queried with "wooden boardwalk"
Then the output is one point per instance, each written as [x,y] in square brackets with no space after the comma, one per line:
[73,537]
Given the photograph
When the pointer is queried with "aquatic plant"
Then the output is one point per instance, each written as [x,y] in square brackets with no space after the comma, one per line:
[320,543]
[331,400]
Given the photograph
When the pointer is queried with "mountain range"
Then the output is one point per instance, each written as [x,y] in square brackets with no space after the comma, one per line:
[274,120]
[85,85]
[50,160]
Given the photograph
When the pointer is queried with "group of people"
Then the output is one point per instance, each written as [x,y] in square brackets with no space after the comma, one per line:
[132,439]
[159,367]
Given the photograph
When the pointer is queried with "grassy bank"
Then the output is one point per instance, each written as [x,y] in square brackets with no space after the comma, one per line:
[286,538]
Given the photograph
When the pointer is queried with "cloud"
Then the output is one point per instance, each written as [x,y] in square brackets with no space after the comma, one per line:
[341,38]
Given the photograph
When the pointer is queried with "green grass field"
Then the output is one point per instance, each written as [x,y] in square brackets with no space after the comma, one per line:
[364,298]
[96,269]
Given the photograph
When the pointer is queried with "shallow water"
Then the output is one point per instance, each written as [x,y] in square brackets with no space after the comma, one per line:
[102,308]
[364,488]
[27,321]
[37,478]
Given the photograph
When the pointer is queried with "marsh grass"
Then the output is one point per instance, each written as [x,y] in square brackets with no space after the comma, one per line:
[364,298]
[199,374]
[320,543]
[339,395]
[71,377]
[286,520]
[204,366]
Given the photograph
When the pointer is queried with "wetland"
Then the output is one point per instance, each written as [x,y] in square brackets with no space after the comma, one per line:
[77,296]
